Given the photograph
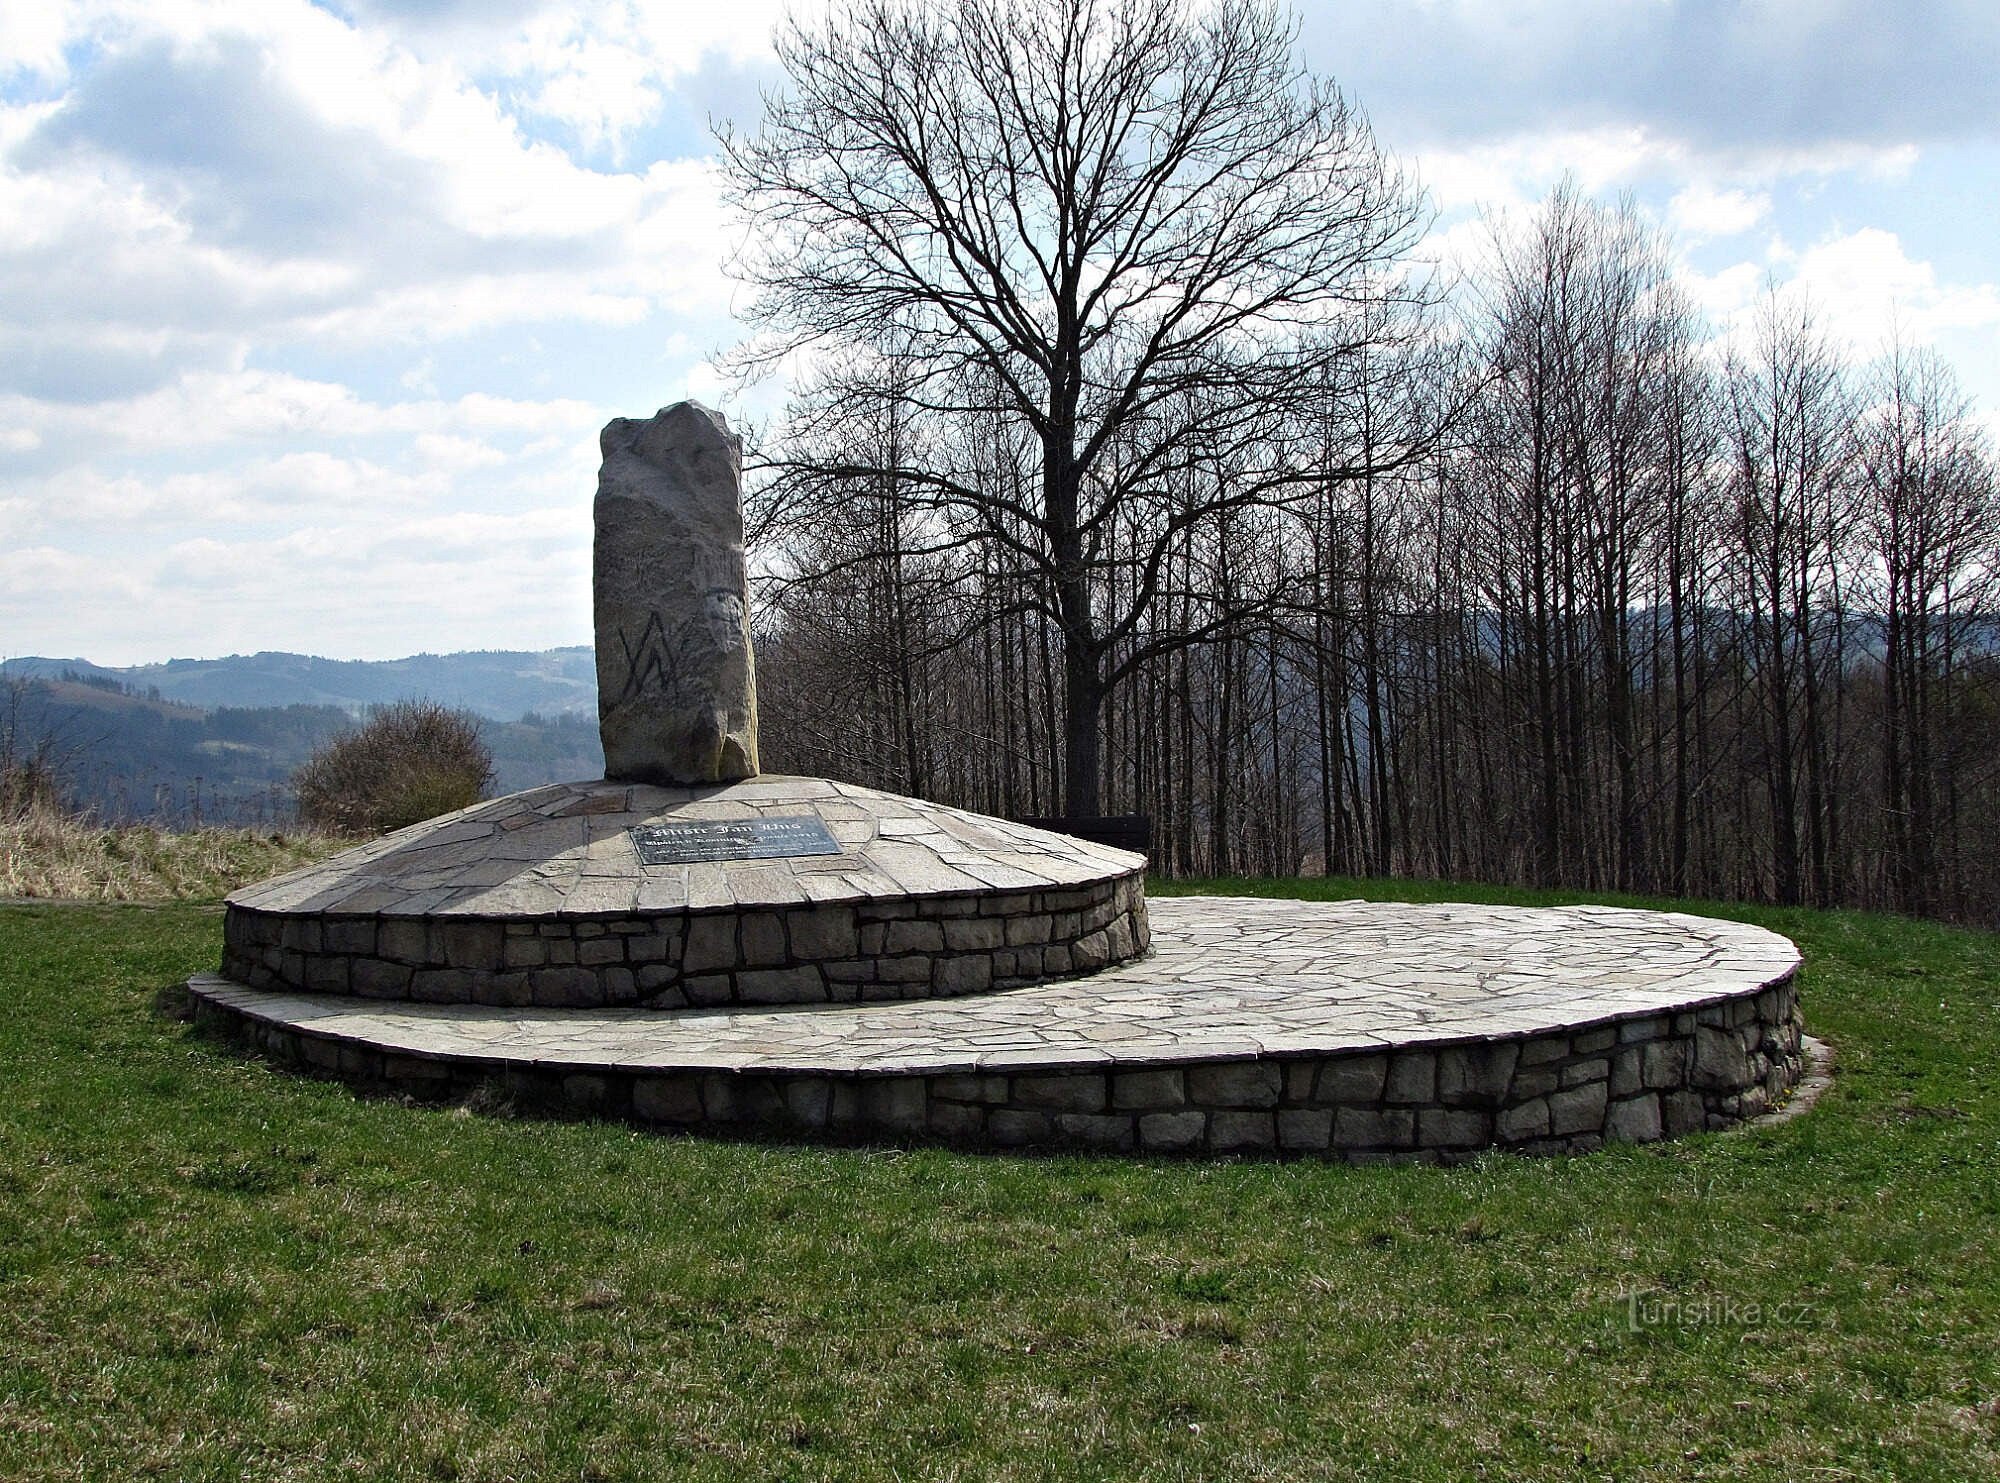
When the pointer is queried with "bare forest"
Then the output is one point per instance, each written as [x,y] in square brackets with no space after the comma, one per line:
[1137,460]
[1638,612]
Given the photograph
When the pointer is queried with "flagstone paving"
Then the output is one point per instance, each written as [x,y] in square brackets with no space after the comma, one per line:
[1349,1029]
[1227,977]
[567,850]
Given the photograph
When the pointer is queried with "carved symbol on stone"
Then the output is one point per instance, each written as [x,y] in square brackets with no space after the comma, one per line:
[658,663]
[724,613]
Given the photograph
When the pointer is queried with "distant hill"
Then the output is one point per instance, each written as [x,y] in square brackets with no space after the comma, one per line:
[130,747]
[499,684]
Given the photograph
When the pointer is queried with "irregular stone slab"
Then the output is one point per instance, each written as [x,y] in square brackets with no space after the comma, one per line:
[532,853]
[676,680]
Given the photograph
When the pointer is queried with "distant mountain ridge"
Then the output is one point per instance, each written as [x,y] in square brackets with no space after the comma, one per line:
[122,753]
[499,684]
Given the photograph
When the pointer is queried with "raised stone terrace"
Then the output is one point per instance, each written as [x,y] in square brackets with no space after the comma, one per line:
[1351,1029]
[559,897]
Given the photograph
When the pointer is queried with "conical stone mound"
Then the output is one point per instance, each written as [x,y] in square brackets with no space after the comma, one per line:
[585,895]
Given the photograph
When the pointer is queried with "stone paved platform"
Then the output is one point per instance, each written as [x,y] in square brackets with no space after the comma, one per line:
[565,851]
[547,898]
[1351,1028]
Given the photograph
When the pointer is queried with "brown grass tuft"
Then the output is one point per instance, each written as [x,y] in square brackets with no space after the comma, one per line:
[48,855]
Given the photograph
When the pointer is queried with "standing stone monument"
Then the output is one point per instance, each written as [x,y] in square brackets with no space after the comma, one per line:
[676,680]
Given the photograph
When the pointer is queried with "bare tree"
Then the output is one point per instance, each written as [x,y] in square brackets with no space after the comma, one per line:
[1930,521]
[1135,228]
[41,744]
[1790,412]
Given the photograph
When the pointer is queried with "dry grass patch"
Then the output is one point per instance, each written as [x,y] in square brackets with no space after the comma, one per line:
[48,855]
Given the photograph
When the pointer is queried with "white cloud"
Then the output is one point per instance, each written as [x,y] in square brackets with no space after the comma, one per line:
[261,492]
[1988,421]
[705,384]
[1721,78]
[243,246]
[39,582]
[449,451]
[457,580]
[421,377]
[1515,171]
[602,91]
[1726,295]
[300,180]
[1715,189]
[600,69]
[1864,288]
[1701,212]
[1866,284]
[386,580]
[32,38]
[209,409]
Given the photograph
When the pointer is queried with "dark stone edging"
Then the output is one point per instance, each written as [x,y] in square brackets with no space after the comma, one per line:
[909,948]
[1634,1078]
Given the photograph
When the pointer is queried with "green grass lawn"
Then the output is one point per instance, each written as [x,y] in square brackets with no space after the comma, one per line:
[210,1269]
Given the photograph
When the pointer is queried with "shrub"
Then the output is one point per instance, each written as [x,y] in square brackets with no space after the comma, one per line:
[36,749]
[28,785]
[414,760]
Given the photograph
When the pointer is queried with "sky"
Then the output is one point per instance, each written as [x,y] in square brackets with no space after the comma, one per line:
[310,313]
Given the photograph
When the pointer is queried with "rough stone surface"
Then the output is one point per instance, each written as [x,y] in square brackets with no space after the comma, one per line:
[1346,1030]
[1634,1121]
[1236,1084]
[1172,1132]
[676,680]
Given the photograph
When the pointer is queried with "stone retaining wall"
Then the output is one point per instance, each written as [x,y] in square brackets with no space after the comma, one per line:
[911,948]
[1635,1079]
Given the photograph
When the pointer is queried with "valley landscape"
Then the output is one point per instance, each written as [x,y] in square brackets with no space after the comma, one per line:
[217,740]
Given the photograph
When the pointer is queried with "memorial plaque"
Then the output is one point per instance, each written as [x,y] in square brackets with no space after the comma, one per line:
[693,841]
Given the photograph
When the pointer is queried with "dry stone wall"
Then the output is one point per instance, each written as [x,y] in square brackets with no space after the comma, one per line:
[1632,1079]
[909,948]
